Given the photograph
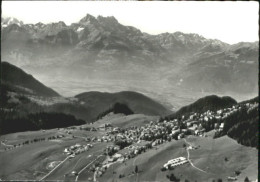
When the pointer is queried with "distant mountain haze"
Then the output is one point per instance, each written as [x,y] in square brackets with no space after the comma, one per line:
[102,54]
[31,96]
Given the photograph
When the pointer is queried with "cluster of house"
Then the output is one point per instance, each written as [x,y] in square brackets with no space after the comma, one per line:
[251,107]
[116,157]
[77,149]
[135,149]
[175,162]
[138,139]
[195,121]
[159,132]
[14,146]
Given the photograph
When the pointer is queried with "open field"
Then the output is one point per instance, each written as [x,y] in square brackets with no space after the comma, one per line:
[213,158]
[122,121]
[31,161]
[210,157]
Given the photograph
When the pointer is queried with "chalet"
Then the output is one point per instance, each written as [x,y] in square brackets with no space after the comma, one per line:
[230,178]
[193,128]
[206,118]
[89,145]
[220,111]
[221,126]
[181,135]
[117,156]
[175,131]
[218,117]
[199,132]
[77,145]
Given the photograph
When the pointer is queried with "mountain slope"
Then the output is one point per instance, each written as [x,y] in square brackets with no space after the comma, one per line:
[16,79]
[98,102]
[234,69]
[242,125]
[101,49]
[204,104]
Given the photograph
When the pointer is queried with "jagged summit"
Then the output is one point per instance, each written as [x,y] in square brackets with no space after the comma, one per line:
[108,19]
[105,49]
[10,20]
[88,18]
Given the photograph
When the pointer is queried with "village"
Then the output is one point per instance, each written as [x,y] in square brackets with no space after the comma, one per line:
[132,141]
[122,144]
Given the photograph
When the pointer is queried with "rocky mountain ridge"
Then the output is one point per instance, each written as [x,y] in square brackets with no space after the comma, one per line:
[103,49]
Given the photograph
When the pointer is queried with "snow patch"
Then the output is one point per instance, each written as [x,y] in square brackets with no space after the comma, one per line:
[79,29]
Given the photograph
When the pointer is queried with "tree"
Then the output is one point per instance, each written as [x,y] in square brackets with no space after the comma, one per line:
[170,167]
[226,159]
[219,180]
[246,179]
[237,172]
[172,177]
[163,169]
[136,169]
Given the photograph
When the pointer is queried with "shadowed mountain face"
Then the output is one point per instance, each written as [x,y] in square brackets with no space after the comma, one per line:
[212,103]
[91,105]
[98,102]
[103,51]
[30,96]
[15,79]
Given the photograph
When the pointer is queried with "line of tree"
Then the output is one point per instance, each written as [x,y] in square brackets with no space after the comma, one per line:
[34,141]
[36,121]
[116,109]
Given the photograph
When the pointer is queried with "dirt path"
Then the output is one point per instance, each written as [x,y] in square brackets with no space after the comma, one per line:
[54,168]
[189,158]
[86,167]
[94,176]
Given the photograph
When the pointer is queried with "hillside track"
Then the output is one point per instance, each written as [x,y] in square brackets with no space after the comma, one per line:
[54,168]
[87,166]
[188,157]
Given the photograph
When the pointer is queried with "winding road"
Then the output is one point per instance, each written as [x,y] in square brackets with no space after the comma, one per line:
[188,158]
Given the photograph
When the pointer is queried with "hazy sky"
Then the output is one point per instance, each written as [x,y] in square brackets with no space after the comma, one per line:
[230,22]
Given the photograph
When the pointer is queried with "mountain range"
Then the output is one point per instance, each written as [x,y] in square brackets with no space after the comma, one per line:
[99,53]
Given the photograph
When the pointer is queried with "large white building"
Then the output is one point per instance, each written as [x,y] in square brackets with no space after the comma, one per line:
[176,162]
